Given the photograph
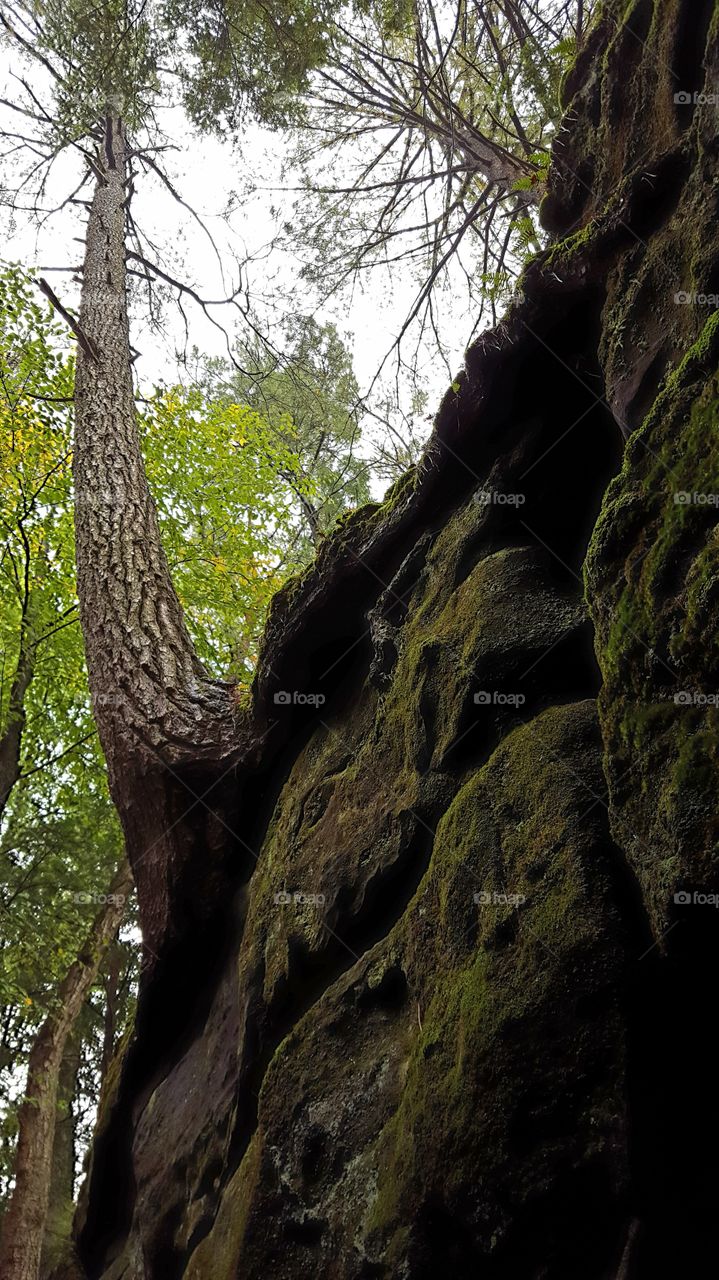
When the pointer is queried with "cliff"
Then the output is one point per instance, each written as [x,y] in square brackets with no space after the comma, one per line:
[436,993]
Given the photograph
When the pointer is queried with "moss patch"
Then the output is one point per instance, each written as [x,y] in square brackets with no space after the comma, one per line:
[652,576]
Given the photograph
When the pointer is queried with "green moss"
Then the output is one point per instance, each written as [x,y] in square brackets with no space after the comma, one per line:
[401,489]
[514,827]
[58,1249]
[219,1256]
[704,351]
[517,822]
[461,1008]
[111,1081]
[353,522]
[562,253]
[675,451]
[652,575]
[695,769]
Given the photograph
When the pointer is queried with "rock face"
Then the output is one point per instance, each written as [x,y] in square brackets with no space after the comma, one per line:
[435,1008]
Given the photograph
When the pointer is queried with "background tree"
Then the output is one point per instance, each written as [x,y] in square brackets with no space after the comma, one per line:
[25,1220]
[311,402]
[423,148]
[53,846]
[230,490]
[35,516]
[243,58]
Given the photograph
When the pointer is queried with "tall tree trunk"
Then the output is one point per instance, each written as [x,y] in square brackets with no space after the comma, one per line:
[479,154]
[24,1223]
[58,1221]
[156,709]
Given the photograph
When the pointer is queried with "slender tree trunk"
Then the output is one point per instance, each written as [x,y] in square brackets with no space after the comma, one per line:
[439,117]
[113,975]
[58,1221]
[313,523]
[146,680]
[499,167]
[14,726]
[156,709]
[24,1223]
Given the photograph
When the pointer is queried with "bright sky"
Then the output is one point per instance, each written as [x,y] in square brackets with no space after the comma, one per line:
[236,193]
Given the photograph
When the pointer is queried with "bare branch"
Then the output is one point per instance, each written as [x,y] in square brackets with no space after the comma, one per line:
[69,319]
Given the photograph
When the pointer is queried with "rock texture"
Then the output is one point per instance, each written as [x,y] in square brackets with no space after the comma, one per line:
[434,1008]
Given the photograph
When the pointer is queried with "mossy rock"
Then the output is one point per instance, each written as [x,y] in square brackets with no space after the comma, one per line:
[653,587]
[430,1031]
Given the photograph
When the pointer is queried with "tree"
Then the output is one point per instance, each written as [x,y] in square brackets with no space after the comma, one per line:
[35,517]
[157,708]
[424,145]
[24,1223]
[311,402]
[162,717]
[51,845]
[61,1188]
[226,482]
[246,57]
[112,502]
[230,487]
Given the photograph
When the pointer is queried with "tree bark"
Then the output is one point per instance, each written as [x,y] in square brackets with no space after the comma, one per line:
[147,683]
[156,709]
[58,1221]
[25,1220]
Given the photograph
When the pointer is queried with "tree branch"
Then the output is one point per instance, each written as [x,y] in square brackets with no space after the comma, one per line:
[87,346]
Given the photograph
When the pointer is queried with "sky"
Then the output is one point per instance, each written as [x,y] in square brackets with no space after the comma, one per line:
[237,193]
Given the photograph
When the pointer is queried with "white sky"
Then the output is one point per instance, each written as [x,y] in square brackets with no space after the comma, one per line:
[212,176]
